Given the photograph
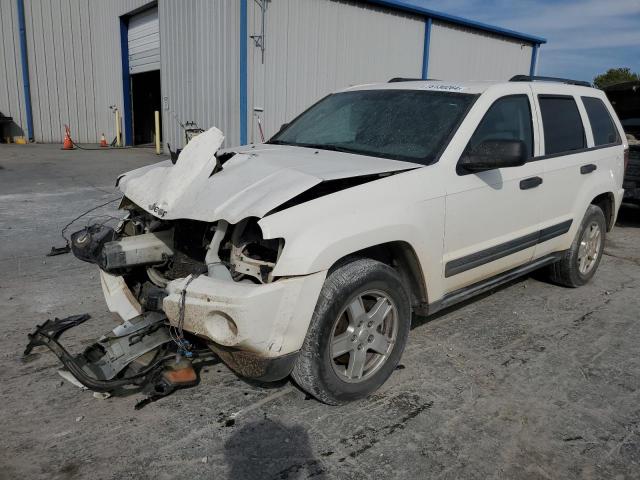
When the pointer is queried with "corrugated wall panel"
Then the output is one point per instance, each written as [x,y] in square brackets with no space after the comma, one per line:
[200,70]
[459,53]
[314,47]
[11,85]
[75,65]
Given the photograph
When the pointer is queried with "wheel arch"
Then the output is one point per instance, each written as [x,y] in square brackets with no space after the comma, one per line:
[400,256]
[606,202]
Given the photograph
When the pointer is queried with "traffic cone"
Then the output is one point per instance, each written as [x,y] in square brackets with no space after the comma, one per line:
[67,144]
[103,141]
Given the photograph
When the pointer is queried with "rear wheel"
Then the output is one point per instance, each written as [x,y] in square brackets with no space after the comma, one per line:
[580,262]
[357,334]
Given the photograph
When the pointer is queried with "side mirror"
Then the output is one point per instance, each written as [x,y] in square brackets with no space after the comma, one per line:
[283,126]
[493,154]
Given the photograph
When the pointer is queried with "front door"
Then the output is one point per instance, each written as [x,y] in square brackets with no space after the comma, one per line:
[492,217]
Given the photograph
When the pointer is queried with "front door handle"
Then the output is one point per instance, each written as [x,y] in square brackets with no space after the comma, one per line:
[528,183]
[584,169]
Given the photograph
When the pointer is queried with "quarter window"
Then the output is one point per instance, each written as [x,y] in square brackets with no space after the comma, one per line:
[509,118]
[604,132]
[562,125]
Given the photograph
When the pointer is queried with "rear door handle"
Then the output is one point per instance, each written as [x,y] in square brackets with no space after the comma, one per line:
[584,169]
[528,183]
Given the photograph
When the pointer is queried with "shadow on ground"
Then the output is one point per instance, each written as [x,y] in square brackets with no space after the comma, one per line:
[268,448]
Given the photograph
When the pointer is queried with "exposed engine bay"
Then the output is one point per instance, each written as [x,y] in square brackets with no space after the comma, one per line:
[149,253]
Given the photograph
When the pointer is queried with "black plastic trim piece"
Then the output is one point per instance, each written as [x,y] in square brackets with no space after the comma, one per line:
[572,152]
[405,79]
[474,260]
[554,231]
[465,293]
[533,78]
[532,182]
[584,169]
[468,262]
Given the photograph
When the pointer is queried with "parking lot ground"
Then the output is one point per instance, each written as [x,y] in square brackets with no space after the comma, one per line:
[534,381]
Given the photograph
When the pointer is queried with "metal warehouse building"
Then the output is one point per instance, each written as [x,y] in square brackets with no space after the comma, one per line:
[240,65]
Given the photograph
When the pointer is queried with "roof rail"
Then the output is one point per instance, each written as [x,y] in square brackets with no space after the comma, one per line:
[402,79]
[531,78]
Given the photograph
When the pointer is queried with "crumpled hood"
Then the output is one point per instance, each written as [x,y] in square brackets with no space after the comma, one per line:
[253,182]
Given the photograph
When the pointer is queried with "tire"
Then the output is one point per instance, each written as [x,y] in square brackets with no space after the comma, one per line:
[568,271]
[345,311]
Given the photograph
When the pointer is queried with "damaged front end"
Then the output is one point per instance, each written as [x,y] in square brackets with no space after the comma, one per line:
[163,269]
[188,268]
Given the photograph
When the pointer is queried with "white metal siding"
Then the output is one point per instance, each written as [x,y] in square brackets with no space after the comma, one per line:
[144,42]
[459,53]
[314,47]
[200,60]
[11,85]
[75,65]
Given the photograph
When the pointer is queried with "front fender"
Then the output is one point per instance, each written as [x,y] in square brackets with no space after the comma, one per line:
[320,232]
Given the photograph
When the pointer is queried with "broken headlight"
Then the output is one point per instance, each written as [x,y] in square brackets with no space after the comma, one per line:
[252,256]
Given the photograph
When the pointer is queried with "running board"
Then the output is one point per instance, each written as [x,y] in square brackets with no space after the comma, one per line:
[485,285]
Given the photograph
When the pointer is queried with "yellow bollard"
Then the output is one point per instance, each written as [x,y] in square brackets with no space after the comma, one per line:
[157,117]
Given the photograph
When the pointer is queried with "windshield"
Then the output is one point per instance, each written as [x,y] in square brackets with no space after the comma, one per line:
[410,125]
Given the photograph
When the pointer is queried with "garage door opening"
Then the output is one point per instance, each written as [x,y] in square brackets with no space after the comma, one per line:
[145,100]
[141,44]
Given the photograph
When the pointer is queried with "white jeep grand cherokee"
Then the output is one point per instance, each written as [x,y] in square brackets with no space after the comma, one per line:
[308,255]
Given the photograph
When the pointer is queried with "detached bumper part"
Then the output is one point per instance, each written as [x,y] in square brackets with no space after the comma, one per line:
[100,366]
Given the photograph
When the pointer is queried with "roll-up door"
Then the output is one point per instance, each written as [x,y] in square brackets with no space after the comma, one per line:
[144,42]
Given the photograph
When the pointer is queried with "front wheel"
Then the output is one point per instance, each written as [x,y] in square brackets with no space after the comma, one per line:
[357,334]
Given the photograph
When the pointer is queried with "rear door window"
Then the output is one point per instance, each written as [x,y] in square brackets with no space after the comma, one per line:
[562,124]
[604,131]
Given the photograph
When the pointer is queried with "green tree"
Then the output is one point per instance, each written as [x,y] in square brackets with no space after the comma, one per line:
[615,75]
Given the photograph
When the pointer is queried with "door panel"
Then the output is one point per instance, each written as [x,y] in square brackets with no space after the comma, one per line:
[564,188]
[492,221]
[492,218]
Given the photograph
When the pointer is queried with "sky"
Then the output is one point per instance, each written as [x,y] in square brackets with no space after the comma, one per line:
[584,37]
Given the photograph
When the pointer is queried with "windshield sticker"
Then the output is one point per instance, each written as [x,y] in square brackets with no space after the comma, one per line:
[448,88]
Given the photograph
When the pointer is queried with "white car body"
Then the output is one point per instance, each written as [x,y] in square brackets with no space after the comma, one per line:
[453,230]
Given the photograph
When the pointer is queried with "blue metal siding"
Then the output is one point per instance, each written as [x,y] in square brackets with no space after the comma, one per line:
[425,53]
[243,72]
[534,60]
[25,68]
[126,81]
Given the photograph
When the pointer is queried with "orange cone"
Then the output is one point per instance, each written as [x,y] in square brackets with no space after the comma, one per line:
[103,141]
[67,144]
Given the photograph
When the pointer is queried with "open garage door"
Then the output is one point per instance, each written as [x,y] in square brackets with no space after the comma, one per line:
[144,42]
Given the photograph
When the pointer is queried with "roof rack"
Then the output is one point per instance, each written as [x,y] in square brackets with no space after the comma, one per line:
[402,79]
[532,78]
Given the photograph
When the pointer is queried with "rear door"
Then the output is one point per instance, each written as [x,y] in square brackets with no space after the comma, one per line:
[575,156]
[492,217]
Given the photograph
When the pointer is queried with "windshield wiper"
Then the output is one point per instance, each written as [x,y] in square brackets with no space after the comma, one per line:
[318,146]
[323,146]
[326,146]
